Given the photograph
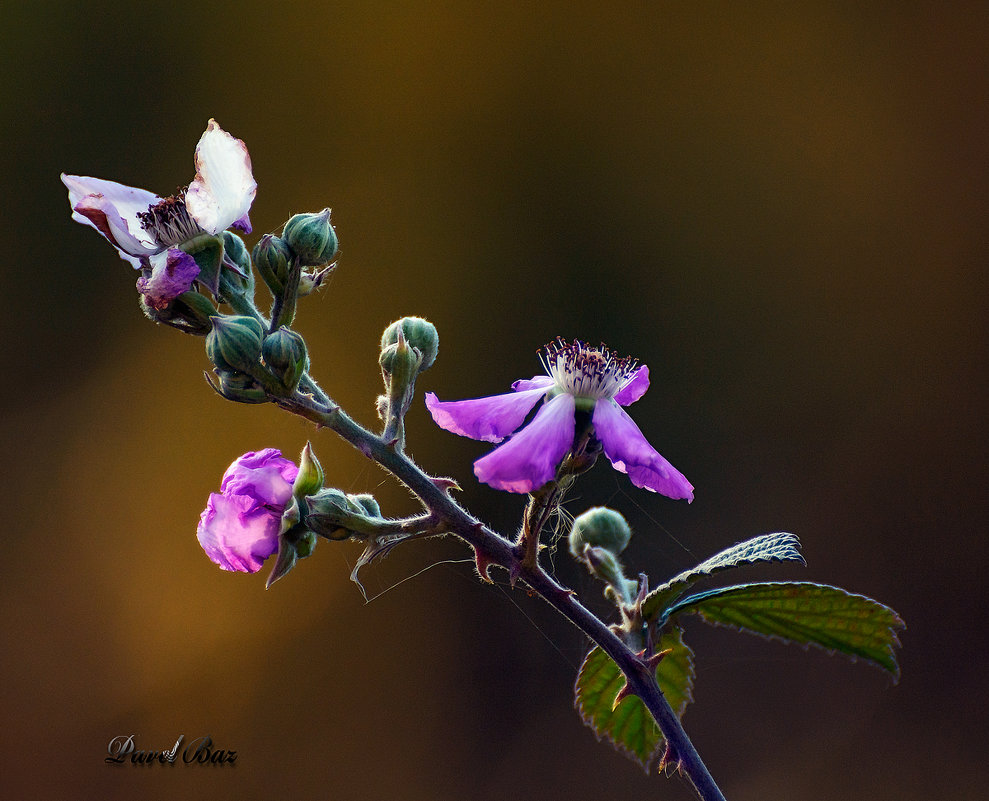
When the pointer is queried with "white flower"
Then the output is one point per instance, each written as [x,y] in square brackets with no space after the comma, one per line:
[147,229]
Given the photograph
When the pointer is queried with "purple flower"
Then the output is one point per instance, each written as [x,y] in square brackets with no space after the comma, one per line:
[579,378]
[239,527]
[147,230]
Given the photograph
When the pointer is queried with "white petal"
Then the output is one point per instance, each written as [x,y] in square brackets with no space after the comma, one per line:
[112,209]
[224,187]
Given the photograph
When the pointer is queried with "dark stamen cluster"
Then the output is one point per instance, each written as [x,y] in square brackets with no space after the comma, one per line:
[168,221]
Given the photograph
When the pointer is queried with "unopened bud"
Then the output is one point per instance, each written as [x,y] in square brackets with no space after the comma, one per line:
[239,387]
[419,333]
[335,515]
[285,354]
[311,238]
[368,503]
[599,527]
[235,252]
[235,343]
[271,257]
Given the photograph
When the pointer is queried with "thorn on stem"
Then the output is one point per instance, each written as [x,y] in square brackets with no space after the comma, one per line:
[623,693]
[484,563]
[671,762]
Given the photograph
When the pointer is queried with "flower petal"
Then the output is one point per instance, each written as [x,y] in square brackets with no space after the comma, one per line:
[112,209]
[630,453]
[224,187]
[634,388]
[172,273]
[530,458]
[236,533]
[264,475]
[541,381]
[490,419]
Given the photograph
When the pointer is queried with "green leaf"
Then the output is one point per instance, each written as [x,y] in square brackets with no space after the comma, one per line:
[807,614]
[629,726]
[780,547]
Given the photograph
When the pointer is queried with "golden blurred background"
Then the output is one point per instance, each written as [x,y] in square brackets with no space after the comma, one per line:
[779,207]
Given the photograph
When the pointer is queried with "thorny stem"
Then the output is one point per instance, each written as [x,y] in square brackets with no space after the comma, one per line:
[499,551]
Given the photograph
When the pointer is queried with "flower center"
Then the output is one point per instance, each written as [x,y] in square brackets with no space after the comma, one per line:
[169,221]
[586,372]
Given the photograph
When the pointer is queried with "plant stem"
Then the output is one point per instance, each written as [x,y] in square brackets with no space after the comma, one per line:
[498,550]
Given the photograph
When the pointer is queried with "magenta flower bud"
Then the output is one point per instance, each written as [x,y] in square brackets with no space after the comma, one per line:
[239,527]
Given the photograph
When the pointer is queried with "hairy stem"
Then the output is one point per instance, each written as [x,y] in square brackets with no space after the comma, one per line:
[499,551]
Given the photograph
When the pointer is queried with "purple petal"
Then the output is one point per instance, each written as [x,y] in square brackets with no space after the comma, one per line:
[488,419]
[530,458]
[634,388]
[243,224]
[236,534]
[538,381]
[265,476]
[172,273]
[224,187]
[630,453]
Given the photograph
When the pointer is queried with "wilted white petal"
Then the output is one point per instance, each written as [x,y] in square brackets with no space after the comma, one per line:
[224,187]
[112,209]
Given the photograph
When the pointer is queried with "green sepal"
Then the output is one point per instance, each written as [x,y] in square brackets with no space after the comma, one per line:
[629,726]
[779,547]
[309,479]
[195,309]
[207,251]
[295,541]
[805,613]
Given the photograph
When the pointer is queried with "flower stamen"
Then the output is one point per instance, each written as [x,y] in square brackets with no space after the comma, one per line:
[586,372]
[169,221]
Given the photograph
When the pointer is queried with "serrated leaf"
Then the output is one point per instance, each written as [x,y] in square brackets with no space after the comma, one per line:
[779,547]
[629,726]
[808,614]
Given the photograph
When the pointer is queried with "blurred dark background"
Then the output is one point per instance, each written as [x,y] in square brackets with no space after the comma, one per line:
[780,208]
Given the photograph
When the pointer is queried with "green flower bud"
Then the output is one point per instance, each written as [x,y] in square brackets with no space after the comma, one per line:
[399,360]
[335,515]
[367,503]
[235,251]
[235,343]
[271,256]
[311,238]
[419,333]
[236,275]
[285,353]
[599,527]
[309,479]
[238,387]
[603,564]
